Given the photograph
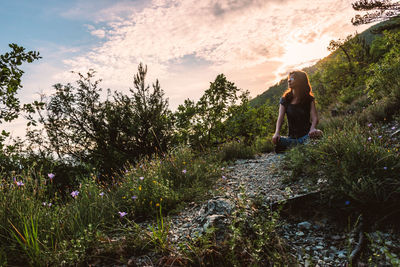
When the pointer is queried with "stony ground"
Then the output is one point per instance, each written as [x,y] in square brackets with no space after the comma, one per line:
[311,241]
[315,241]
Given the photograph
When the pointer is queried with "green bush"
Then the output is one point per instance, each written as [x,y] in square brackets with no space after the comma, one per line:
[178,177]
[264,145]
[235,150]
[382,110]
[354,163]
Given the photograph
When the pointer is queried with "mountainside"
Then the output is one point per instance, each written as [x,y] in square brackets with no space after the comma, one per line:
[273,93]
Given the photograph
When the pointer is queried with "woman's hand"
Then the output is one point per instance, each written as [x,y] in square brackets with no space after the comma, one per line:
[315,133]
[275,138]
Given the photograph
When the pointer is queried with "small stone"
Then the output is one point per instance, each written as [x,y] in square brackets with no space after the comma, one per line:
[341,254]
[304,225]
[300,233]
[319,247]
[336,237]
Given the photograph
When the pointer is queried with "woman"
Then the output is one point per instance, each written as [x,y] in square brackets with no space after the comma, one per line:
[298,104]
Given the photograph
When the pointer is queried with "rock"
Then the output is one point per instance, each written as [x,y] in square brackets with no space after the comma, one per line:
[221,206]
[304,225]
[214,220]
[336,237]
[341,254]
[300,233]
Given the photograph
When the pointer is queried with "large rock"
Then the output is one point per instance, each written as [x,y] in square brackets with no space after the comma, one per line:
[215,213]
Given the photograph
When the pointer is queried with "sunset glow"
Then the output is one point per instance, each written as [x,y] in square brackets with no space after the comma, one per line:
[253,42]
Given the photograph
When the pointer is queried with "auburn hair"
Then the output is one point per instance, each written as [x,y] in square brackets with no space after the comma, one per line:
[304,86]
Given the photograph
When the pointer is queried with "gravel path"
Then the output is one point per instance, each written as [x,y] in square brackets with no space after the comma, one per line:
[314,242]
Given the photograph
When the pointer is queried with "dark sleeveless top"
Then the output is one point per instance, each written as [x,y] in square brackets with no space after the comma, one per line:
[298,116]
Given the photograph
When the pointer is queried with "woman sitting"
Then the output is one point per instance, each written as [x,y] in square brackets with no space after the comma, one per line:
[298,104]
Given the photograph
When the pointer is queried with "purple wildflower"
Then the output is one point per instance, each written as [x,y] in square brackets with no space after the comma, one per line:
[51,176]
[20,183]
[385,168]
[223,177]
[141,178]
[134,197]
[380,136]
[184,171]
[101,194]
[369,138]
[122,214]
[347,202]
[394,128]
[75,193]
[47,204]
[369,124]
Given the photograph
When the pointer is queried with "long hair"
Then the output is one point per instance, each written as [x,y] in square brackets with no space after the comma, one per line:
[304,86]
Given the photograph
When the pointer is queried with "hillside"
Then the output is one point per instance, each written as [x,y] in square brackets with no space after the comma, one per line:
[273,93]
[138,185]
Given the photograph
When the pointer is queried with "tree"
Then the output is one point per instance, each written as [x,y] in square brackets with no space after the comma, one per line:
[150,122]
[202,124]
[10,80]
[107,134]
[343,74]
[249,123]
[213,109]
[384,10]
[10,83]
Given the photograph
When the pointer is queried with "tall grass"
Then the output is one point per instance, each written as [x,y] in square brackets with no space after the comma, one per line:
[355,163]
[42,228]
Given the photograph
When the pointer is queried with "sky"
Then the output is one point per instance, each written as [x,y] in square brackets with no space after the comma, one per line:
[184,43]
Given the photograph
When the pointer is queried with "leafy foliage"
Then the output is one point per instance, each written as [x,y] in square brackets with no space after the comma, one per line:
[385,9]
[384,78]
[10,80]
[354,163]
[107,134]
[202,124]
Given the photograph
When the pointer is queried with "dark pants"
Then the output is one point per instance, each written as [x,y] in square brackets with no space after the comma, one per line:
[287,142]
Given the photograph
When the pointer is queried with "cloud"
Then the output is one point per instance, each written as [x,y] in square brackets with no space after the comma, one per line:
[229,36]
[101,10]
[98,33]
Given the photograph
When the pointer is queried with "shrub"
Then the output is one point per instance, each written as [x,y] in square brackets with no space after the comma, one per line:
[382,110]
[178,177]
[235,150]
[264,144]
[355,163]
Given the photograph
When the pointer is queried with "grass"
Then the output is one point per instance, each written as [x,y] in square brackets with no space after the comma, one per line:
[39,225]
[42,226]
[44,229]
[251,239]
[355,162]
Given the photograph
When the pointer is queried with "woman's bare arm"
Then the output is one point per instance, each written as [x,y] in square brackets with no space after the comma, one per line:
[279,122]
[314,132]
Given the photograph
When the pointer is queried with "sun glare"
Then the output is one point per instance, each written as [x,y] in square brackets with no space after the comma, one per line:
[300,54]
